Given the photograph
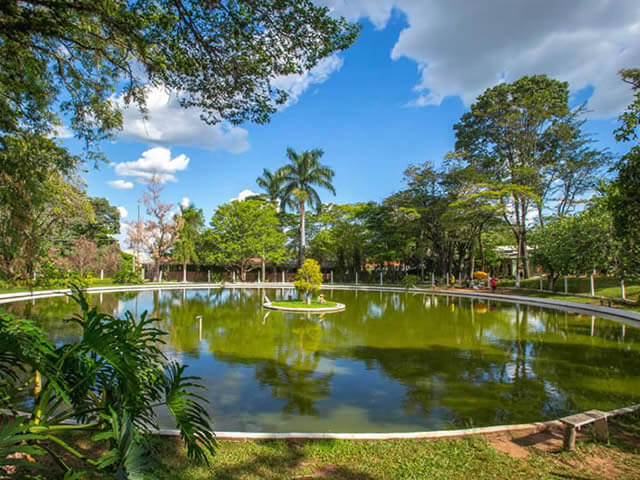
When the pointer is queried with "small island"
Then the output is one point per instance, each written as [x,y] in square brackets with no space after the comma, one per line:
[308,281]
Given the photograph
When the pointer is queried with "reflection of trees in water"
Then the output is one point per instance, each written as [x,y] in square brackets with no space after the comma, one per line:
[472,359]
[526,365]
[291,375]
[283,349]
[456,359]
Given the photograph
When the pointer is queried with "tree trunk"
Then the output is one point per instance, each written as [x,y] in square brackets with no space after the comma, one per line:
[156,271]
[184,272]
[472,261]
[264,268]
[302,235]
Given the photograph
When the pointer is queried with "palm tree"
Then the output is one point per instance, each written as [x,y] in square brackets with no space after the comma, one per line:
[299,177]
[271,183]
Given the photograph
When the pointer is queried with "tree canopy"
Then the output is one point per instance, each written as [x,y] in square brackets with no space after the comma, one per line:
[241,232]
[75,55]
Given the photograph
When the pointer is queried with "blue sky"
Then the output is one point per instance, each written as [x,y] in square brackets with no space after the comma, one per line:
[389,101]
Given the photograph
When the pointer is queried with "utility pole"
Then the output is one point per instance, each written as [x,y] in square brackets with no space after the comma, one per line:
[138,240]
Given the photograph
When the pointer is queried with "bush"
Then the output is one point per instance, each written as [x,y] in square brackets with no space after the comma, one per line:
[52,275]
[308,278]
[126,276]
[410,281]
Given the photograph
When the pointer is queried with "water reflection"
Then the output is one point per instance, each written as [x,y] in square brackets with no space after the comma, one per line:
[390,361]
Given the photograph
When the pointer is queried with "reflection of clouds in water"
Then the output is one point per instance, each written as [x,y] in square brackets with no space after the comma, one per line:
[229,389]
[327,366]
[374,310]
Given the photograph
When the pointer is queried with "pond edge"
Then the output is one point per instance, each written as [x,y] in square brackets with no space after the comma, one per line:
[624,316]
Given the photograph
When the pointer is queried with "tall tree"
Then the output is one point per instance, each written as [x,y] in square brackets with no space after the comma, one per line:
[38,200]
[242,231]
[501,137]
[104,223]
[271,183]
[190,223]
[574,244]
[161,228]
[624,193]
[573,166]
[220,56]
[299,178]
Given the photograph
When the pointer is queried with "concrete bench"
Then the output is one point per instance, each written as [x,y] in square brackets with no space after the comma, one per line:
[574,423]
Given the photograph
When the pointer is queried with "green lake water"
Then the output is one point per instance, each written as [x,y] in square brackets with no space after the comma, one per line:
[389,362]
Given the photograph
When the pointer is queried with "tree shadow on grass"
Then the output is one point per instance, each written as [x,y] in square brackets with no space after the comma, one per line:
[288,459]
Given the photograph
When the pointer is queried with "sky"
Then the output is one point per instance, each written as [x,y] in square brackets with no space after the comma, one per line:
[389,101]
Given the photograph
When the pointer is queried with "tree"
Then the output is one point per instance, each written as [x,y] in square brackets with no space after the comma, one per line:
[220,56]
[502,139]
[299,177]
[271,183]
[190,223]
[36,199]
[242,231]
[624,193]
[83,256]
[308,278]
[574,166]
[110,258]
[574,244]
[160,231]
[104,222]
[338,234]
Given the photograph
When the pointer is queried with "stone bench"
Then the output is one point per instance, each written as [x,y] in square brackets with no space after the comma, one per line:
[573,423]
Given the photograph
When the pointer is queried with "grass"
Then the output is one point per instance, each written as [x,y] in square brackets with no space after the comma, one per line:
[299,304]
[471,457]
[608,287]
[569,298]
[499,456]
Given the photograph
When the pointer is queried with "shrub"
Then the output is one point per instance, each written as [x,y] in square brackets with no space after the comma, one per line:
[308,278]
[110,380]
[409,281]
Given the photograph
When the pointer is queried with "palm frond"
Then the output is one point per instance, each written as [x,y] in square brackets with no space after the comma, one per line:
[130,454]
[15,448]
[191,418]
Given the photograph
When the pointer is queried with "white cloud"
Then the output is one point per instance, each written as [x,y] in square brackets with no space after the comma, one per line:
[378,11]
[155,161]
[185,202]
[243,195]
[121,184]
[464,47]
[170,124]
[296,84]
[123,212]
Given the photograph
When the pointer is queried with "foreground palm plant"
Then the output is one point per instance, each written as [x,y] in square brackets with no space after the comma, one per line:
[109,383]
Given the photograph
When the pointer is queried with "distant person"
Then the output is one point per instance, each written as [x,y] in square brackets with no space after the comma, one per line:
[494,283]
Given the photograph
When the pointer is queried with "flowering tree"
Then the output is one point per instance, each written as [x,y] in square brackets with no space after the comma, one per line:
[161,229]
[83,256]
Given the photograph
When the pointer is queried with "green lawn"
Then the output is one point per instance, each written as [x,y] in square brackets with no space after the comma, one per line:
[472,457]
[498,456]
[604,286]
[568,298]
[299,304]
